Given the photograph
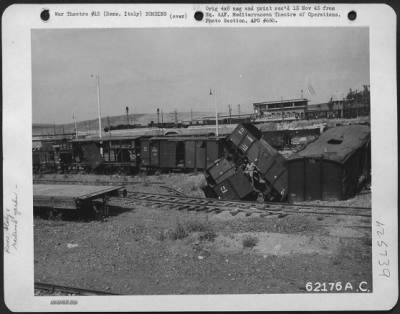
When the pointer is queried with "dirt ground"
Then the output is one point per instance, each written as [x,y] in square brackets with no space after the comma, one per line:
[145,250]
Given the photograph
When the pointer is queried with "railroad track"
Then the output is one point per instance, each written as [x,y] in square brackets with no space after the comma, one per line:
[208,205]
[97,182]
[51,289]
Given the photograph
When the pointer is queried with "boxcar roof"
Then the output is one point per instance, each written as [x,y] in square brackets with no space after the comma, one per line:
[186,138]
[105,139]
[336,144]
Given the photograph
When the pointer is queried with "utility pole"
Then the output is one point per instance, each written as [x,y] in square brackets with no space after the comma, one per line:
[127,115]
[158,117]
[216,110]
[76,128]
[99,110]
[133,119]
[230,113]
[191,116]
[98,103]
[239,110]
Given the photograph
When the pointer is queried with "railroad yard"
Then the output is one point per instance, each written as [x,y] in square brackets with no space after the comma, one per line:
[211,169]
[165,237]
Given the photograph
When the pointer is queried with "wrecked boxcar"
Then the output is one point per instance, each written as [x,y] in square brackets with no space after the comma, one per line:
[334,167]
[227,181]
[265,165]
[254,168]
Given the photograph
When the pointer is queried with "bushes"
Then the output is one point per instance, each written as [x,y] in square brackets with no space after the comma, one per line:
[182,230]
[179,232]
[249,241]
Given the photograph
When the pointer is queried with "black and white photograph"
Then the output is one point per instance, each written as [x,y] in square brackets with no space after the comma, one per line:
[202,160]
[198,161]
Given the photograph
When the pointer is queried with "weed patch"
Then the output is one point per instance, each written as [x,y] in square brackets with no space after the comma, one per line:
[249,242]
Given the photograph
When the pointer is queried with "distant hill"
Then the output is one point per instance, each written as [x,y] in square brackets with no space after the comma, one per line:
[134,119]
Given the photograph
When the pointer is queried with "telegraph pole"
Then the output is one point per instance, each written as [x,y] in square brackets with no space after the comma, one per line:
[98,104]
[239,110]
[99,110]
[216,110]
[76,128]
[127,115]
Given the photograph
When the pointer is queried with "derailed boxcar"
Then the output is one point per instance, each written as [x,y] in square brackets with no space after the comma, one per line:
[334,167]
[264,163]
[229,182]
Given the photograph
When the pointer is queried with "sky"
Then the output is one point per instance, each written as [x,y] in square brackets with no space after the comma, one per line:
[174,68]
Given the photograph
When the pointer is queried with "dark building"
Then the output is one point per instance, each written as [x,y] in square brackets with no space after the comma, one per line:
[290,109]
[333,167]
[337,109]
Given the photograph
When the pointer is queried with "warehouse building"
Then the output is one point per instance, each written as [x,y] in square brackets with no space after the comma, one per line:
[290,109]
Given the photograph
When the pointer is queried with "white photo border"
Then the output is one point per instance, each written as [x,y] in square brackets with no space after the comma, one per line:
[17,23]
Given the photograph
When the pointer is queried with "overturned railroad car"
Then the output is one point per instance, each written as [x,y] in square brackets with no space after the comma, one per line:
[269,163]
[229,182]
[334,167]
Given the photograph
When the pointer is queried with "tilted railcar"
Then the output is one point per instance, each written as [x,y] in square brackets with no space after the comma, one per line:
[263,162]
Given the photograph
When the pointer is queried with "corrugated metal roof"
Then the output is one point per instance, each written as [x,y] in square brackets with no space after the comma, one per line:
[105,139]
[336,144]
[280,101]
[187,138]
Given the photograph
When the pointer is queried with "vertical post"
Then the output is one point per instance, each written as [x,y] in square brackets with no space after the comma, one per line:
[127,115]
[191,116]
[216,109]
[158,117]
[98,106]
[76,128]
[133,119]
[239,110]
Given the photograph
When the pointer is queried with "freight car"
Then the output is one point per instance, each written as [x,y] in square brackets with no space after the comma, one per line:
[228,181]
[264,163]
[51,155]
[253,158]
[149,154]
[178,152]
[334,167]
[108,154]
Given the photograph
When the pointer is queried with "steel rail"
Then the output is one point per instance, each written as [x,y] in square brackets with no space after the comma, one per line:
[212,205]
